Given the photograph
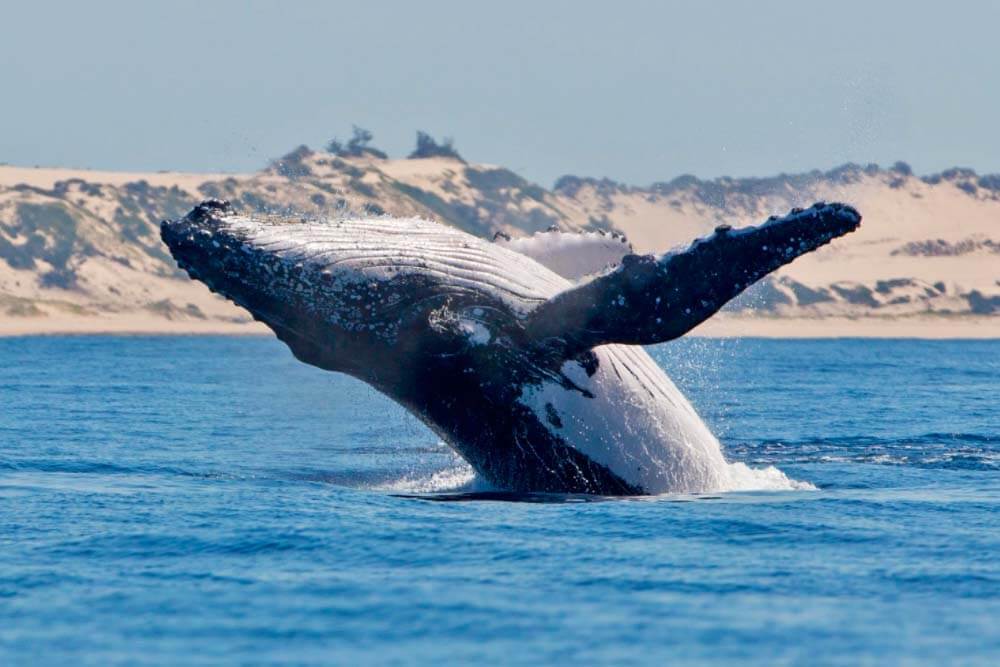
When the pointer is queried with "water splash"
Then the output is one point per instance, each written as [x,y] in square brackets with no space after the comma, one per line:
[456,476]
[744,478]
[459,478]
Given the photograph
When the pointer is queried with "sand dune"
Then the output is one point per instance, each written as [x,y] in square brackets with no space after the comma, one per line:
[80,250]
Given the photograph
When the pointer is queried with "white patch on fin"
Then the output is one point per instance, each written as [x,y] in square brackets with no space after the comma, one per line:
[572,255]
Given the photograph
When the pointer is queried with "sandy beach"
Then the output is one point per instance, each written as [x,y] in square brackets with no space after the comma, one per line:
[923,265]
[124,325]
[931,328]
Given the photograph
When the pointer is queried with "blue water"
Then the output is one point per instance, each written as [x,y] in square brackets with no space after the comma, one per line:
[207,500]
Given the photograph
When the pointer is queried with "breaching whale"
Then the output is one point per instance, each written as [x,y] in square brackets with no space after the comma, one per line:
[540,383]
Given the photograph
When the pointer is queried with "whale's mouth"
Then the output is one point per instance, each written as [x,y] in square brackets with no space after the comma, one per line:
[207,244]
[198,245]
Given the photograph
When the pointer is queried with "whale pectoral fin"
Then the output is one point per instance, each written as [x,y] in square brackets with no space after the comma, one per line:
[651,299]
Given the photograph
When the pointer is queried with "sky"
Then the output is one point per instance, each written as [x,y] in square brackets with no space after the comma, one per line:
[635,91]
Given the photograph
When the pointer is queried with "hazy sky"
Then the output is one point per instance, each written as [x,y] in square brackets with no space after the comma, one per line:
[636,91]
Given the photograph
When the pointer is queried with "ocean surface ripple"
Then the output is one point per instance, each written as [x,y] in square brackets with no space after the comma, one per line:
[206,499]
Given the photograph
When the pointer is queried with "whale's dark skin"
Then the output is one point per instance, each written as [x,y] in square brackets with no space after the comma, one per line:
[460,333]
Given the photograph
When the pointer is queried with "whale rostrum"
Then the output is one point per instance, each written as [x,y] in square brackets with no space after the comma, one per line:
[539,382]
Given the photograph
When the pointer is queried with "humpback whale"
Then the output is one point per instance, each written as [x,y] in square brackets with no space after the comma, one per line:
[536,377]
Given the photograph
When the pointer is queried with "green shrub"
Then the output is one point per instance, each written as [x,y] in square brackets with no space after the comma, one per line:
[428,147]
[357,146]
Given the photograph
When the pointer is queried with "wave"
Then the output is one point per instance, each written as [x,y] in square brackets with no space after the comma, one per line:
[956,451]
[931,438]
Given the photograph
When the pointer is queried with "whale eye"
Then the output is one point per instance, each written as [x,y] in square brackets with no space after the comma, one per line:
[475,331]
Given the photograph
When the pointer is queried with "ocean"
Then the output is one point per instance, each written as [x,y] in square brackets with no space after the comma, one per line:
[207,500]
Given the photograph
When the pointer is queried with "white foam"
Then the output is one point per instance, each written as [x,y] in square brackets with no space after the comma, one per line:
[459,477]
[744,478]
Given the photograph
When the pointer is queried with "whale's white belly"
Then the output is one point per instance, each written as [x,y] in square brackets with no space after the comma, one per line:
[638,423]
